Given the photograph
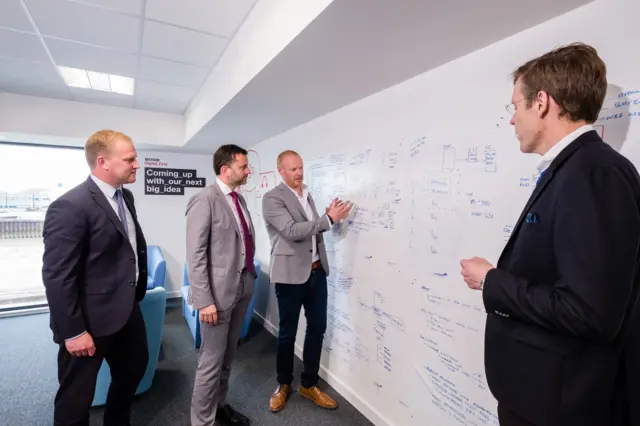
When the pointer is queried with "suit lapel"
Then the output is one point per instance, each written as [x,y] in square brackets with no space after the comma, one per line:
[320,236]
[290,197]
[313,206]
[226,207]
[566,153]
[102,201]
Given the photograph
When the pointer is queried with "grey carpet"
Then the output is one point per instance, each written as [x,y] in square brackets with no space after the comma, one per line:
[28,380]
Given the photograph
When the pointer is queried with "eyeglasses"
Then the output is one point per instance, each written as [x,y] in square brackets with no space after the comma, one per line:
[511,108]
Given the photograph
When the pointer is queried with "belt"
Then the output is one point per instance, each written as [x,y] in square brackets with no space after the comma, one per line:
[316,265]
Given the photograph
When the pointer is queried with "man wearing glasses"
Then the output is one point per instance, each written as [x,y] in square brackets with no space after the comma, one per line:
[561,343]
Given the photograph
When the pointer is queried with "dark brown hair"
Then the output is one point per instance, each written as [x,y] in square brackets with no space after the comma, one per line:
[225,155]
[573,75]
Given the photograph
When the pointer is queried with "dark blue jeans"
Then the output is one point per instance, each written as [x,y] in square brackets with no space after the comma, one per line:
[291,298]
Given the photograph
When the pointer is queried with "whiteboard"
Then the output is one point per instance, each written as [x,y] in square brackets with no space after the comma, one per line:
[434,179]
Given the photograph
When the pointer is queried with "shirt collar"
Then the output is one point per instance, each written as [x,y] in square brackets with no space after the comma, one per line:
[548,158]
[223,187]
[108,190]
[305,191]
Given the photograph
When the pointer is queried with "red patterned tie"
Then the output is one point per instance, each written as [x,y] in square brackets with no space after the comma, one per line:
[248,240]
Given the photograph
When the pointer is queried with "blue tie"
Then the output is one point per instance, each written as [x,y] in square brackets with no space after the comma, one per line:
[121,210]
[539,178]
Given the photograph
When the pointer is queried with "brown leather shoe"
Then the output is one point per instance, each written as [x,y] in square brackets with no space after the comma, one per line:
[279,398]
[320,398]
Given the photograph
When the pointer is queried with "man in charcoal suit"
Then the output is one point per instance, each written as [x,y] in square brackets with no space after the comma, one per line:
[95,273]
[562,337]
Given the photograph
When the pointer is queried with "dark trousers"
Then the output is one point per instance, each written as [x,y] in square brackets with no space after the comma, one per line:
[126,353]
[291,298]
[509,418]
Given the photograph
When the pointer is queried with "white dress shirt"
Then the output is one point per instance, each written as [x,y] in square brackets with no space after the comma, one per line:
[562,144]
[308,210]
[110,193]
[227,191]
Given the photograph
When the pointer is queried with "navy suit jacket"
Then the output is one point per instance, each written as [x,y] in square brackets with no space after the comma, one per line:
[561,343]
[88,265]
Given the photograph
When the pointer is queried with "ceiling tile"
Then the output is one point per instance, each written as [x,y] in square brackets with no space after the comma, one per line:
[103,98]
[149,89]
[20,70]
[83,56]
[12,16]
[35,89]
[14,44]
[220,17]
[178,44]
[87,24]
[163,71]
[31,78]
[161,105]
[132,7]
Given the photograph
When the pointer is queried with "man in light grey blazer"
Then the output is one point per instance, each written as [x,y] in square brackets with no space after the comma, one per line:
[220,250]
[299,269]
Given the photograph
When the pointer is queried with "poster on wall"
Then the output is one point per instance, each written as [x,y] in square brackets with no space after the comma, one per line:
[168,181]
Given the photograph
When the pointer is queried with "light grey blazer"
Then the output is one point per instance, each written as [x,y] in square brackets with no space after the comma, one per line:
[290,232]
[214,249]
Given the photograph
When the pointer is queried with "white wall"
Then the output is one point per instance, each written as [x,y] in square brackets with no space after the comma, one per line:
[162,217]
[270,26]
[461,103]
[54,121]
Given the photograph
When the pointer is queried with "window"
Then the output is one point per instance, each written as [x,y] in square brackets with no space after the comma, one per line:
[31,177]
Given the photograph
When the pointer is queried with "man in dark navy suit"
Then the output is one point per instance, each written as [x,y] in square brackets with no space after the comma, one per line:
[95,273]
[561,342]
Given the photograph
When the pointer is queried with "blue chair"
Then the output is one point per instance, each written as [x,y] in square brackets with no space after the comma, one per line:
[156,267]
[192,316]
[153,308]
[247,319]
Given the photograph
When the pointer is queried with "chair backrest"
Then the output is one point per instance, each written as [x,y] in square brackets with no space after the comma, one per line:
[185,275]
[156,265]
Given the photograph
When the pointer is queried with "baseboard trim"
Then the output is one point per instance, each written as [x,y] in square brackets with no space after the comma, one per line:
[174,294]
[368,411]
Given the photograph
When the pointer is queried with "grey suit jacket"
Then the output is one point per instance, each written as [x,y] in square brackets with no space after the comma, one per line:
[290,232]
[214,249]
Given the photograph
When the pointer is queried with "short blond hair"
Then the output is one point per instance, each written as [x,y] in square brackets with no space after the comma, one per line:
[284,154]
[101,142]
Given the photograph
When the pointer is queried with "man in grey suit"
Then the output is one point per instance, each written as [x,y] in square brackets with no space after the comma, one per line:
[299,269]
[220,250]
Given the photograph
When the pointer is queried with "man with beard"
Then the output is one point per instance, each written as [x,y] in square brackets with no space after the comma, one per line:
[220,250]
[299,270]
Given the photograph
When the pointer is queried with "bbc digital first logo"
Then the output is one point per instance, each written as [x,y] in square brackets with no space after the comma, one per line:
[165,181]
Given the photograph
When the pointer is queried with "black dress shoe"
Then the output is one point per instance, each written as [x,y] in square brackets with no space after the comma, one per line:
[229,416]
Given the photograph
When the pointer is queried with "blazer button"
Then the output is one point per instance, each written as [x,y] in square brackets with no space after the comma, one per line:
[132,283]
[310,250]
[133,260]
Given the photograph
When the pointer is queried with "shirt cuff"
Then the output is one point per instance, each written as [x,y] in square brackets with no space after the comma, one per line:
[75,337]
